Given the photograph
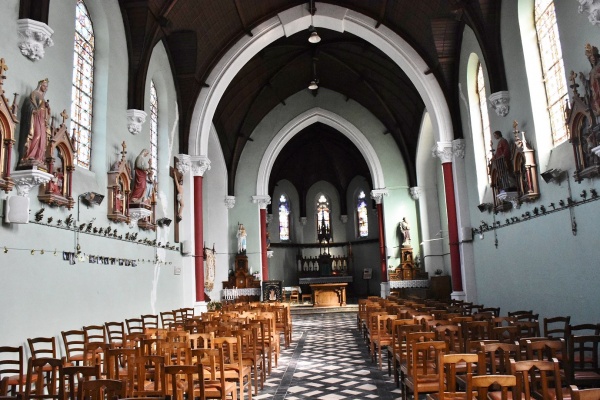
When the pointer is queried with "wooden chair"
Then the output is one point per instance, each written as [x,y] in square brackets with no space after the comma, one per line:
[583,366]
[294,295]
[423,368]
[527,328]
[74,342]
[452,365]
[115,333]
[251,356]
[283,324]
[149,321]
[36,368]
[117,361]
[134,325]
[101,389]
[547,350]
[212,383]
[452,335]
[537,379]
[176,353]
[41,347]
[398,344]
[167,318]
[274,337]
[144,376]
[483,383]
[474,332]
[235,370]
[74,374]
[505,334]
[94,334]
[494,358]
[381,336]
[584,394]
[11,369]
[556,326]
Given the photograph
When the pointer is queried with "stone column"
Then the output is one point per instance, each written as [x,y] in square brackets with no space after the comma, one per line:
[443,150]
[263,202]
[200,164]
[377,195]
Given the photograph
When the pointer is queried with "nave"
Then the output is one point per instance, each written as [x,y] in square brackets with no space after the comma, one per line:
[327,359]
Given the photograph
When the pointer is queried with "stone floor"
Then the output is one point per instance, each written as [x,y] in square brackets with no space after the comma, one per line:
[329,360]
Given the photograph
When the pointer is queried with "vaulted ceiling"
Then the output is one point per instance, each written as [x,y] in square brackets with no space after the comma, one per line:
[196,34]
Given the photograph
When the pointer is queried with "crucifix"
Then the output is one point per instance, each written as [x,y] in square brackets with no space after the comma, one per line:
[64,116]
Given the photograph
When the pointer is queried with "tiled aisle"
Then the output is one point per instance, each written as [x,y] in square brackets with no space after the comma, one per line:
[327,359]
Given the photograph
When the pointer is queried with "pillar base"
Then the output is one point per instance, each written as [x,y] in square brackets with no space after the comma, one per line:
[385,289]
[200,307]
[460,295]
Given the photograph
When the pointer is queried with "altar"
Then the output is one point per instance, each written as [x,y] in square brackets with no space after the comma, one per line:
[329,294]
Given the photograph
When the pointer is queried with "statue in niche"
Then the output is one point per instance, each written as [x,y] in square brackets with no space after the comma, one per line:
[56,183]
[405,230]
[35,127]
[241,237]
[141,176]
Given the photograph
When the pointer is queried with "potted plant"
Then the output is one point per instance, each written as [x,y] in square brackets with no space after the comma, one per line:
[214,306]
[438,272]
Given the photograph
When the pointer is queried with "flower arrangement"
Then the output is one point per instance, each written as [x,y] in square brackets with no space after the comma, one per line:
[214,306]
[438,272]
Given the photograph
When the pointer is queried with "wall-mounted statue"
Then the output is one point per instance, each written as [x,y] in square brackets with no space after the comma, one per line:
[582,118]
[35,128]
[119,182]
[405,230]
[8,120]
[143,192]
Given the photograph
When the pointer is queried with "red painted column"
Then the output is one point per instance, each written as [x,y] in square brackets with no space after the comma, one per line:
[199,238]
[452,227]
[263,244]
[382,256]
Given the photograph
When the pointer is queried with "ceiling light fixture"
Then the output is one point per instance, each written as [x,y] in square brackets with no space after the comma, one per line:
[314,36]
[313,85]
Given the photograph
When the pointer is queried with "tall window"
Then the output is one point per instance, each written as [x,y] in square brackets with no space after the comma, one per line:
[483,112]
[83,85]
[552,67]
[362,217]
[323,223]
[153,128]
[284,218]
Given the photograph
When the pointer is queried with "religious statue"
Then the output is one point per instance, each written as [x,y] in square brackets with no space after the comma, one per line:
[35,126]
[405,229]
[591,53]
[56,182]
[140,183]
[501,162]
[178,179]
[241,237]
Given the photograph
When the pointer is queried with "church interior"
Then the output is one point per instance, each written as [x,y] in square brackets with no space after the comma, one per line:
[167,154]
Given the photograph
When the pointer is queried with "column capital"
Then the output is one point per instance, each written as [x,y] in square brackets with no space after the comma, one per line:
[442,150]
[200,164]
[135,120]
[377,195]
[183,162]
[500,102]
[593,10]
[229,202]
[458,148]
[303,221]
[262,201]
[415,192]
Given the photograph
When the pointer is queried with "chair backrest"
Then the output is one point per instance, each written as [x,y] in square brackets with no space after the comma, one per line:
[177,353]
[202,340]
[448,382]
[583,366]
[115,332]
[74,342]
[42,347]
[494,358]
[556,326]
[180,381]
[546,349]
[74,374]
[167,318]
[536,378]
[37,369]
[117,360]
[505,334]
[475,331]
[101,389]
[527,328]
[94,334]
[11,363]
[212,361]
[519,313]
[150,321]
[424,366]
[452,335]
[482,384]
[134,325]
[584,394]
[141,367]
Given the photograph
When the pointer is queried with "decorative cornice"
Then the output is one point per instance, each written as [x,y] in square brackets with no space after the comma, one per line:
[458,148]
[415,192]
[500,102]
[344,219]
[34,37]
[262,201]
[229,202]
[592,7]
[377,195]
[25,180]
[136,214]
[183,163]
[135,120]
[303,221]
[442,150]
[200,164]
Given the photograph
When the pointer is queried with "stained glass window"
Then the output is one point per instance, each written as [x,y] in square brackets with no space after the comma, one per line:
[552,67]
[153,128]
[361,213]
[284,218]
[483,112]
[83,85]
[323,223]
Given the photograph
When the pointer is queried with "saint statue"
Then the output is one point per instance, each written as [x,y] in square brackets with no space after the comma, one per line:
[405,229]
[35,128]
[142,168]
[592,54]
[241,237]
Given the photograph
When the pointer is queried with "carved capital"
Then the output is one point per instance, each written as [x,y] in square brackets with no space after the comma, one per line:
[183,163]
[34,37]
[592,7]
[135,120]
[200,164]
[415,192]
[229,202]
[262,201]
[377,195]
[25,180]
[344,219]
[500,102]
[458,148]
[303,221]
[135,214]
[442,150]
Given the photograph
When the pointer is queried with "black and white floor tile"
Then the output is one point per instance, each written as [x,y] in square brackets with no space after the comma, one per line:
[327,359]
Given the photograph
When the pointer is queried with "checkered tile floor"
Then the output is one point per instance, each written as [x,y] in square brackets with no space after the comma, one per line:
[329,360]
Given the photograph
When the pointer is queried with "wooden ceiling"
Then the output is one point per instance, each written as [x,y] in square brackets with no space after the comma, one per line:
[196,34]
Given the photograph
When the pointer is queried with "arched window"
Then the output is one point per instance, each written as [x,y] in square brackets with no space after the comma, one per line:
[483,113]
[552,67]
[323,214]
[284,218]
[153,128]
[361,215]
[83,85]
